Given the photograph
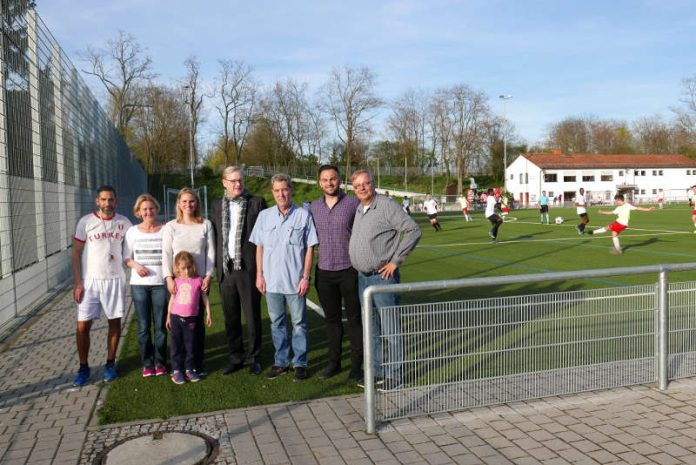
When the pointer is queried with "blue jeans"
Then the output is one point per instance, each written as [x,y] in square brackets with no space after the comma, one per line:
[279,330]
[151,306]
[390,321]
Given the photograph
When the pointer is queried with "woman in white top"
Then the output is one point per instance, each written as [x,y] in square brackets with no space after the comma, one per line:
[194,234]
[143,255]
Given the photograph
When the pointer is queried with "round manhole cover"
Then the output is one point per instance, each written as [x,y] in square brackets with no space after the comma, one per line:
[162,447]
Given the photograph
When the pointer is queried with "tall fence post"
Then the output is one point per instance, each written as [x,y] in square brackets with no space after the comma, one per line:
[368,361]
[662,329]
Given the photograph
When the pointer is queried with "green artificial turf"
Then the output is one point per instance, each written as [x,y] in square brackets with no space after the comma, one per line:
[461,250]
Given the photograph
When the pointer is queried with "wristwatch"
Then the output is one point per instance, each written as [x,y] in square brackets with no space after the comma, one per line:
[308,278]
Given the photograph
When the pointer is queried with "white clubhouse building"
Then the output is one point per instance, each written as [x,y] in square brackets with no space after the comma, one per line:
[641,178]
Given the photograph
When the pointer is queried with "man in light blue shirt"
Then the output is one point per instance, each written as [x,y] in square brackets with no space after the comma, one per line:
[285,238]
[543,207]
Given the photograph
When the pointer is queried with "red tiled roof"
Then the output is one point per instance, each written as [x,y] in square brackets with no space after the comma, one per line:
[607,161]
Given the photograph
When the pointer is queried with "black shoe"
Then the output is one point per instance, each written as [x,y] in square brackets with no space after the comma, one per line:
[390,385]
[330,372]
[378,382]
[356,374]
[202,371]
[301,373]
[231,368]
[276,371]
[255,368]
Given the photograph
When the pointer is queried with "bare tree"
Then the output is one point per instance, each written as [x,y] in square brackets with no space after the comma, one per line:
[686,115]
[298,125]
[160,130]
[237,91]
[440,129]
[407,125]
[350,103]
[653,135]
[123,69]
[194,100]
[571,135]
[471,119]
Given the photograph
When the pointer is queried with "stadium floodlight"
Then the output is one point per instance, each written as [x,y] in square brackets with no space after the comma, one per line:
[505,98]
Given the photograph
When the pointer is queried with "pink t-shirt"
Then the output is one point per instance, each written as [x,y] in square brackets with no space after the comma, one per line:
[187,297]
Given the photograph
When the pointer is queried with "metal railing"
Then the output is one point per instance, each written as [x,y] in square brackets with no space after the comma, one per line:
[461,354]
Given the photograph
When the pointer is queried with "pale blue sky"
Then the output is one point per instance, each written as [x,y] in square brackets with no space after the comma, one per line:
[613,59]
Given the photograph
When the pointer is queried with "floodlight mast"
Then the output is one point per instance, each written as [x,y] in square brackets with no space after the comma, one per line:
[505,98]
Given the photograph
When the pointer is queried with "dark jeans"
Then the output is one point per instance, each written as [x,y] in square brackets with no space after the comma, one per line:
[387,322]
[199,339]
[334,287]
[183,340]
[151,307]
[238,292]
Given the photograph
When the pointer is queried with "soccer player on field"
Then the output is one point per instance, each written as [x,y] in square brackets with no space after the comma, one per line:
[581,208]
[464,204]
[430,206]
[543,207]
[496,221]
[623,212]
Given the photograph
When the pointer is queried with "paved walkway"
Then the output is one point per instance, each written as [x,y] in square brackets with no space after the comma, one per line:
[45,420]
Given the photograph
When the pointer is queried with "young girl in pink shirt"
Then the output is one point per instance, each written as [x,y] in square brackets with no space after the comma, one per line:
[181,317]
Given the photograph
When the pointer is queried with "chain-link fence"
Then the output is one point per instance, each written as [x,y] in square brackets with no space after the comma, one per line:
[56,147]
[452,355]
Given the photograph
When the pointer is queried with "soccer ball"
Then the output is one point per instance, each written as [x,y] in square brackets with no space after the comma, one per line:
[559,220]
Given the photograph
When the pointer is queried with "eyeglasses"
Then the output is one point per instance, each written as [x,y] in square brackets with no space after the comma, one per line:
[234,181]
[364,185]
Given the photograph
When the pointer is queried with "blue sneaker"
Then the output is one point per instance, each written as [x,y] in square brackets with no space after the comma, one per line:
[192,376]
[82,376]
[178,377]
[110,372]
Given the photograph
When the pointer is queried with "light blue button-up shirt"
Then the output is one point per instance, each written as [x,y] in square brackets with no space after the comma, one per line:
[285,240]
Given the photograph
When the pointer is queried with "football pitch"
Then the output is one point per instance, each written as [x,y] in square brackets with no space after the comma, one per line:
[464,250]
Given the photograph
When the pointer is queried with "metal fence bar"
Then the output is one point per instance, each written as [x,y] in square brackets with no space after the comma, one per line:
[518,313]
[662,329]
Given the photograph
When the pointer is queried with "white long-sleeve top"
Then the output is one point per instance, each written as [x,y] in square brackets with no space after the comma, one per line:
[197,239]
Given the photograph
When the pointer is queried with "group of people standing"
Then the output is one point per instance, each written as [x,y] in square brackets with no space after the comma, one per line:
[254,251]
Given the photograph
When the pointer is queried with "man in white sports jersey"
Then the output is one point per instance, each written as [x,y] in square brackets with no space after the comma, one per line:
[623,212]
[100,280]
[430,206]
[580,202]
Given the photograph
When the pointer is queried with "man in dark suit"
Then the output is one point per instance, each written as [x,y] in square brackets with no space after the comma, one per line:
[233,218]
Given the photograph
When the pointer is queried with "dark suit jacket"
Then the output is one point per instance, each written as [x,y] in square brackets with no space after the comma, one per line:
[254,206]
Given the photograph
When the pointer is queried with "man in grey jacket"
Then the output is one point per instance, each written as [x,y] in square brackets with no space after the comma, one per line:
[383,236]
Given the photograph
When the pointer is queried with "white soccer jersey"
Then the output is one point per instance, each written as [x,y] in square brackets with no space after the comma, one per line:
[623,213]
[102,257]
[580,203]
[430,207]
[490,206]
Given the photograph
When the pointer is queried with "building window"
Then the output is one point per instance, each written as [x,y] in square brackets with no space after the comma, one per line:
[512,176]
[636,192]
[642,172]
[662,173]
[636,173]
[654,191]
[642,192]
[588,179]
[607,177]
[688,172]
[550,177]
[568,178]
[621,173]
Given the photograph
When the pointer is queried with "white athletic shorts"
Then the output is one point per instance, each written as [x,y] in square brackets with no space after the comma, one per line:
[102,294]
